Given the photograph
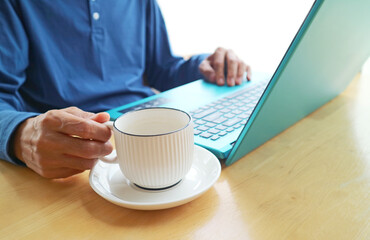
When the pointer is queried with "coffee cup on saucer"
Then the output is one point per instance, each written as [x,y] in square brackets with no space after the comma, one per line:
[154,146]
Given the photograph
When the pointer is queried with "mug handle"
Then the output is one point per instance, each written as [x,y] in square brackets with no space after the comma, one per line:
[112,157]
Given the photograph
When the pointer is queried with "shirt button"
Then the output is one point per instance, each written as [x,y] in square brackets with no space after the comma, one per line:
[96,15]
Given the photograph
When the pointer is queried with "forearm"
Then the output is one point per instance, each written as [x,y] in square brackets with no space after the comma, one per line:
[187,71]
[176,72]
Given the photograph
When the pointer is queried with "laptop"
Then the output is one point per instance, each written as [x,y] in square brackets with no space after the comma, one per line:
[327,52]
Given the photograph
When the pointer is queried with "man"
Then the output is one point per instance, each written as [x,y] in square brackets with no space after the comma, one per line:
[91,54]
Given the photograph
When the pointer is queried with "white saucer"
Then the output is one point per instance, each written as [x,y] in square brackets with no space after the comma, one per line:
[108,181]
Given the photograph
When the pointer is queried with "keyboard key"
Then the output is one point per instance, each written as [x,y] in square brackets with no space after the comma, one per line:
[223,133]
[197,111]
[152,103]
[214,131]
[214,138]
[220,120]
[240,97]
[226,103]
[213,116]
[229,115]
[200,122]
[230,129]
[225,110]
[196,132]
[244,115]
[208,124]
[204,113]
[231,122]
[237,112]
[206,135]
[220,127]
[236,94]
[203,128]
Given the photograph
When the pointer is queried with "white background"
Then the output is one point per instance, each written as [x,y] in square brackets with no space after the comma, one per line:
[259,31]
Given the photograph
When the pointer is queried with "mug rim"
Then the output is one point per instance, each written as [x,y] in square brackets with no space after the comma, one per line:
[152,135]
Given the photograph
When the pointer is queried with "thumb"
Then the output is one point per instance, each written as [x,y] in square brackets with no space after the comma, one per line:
[206,69]
[101,117]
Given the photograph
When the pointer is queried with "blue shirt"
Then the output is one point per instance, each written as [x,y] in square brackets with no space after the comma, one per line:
[93,54]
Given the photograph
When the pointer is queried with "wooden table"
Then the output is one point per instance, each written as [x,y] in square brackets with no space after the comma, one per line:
[310,182]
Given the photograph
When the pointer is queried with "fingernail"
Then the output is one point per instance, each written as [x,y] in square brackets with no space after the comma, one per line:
[232,81]
[239,81]
[220,81]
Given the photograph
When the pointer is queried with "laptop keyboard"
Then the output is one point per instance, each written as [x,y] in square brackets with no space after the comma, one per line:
[152,103]
[221,117]
[226,115]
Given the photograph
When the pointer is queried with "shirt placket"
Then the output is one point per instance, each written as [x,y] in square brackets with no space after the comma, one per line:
[95,16]
[97,31]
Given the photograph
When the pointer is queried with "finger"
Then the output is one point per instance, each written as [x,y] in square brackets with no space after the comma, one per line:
[62,160]
[83,148]
[79,113]
[232,67]
[241,70]
[49,151]
[69,124]
[98,117]
[218,64]
[206,69]
[77,162]
[101,117]
[249,72]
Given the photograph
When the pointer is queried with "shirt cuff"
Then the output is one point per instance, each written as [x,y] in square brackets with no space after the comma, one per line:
[198,59]
[9,121]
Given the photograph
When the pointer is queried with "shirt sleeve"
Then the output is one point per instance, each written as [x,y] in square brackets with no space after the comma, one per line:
[13,64]
[164,70]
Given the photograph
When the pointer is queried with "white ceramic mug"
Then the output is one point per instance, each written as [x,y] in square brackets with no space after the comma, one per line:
[154,146]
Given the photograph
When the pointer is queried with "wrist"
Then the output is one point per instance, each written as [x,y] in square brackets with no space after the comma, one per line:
[18,138]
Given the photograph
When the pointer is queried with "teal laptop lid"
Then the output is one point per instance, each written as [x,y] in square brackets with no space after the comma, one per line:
[325,55]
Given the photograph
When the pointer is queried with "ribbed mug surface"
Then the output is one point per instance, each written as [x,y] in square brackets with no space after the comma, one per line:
[156,161]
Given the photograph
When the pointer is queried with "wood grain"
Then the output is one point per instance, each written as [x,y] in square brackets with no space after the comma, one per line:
[310,182]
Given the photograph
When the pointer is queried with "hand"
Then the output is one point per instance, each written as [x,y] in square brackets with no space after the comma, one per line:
[61,143]
[213,68]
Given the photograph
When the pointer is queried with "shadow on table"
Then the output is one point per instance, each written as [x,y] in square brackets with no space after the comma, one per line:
[200,209]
